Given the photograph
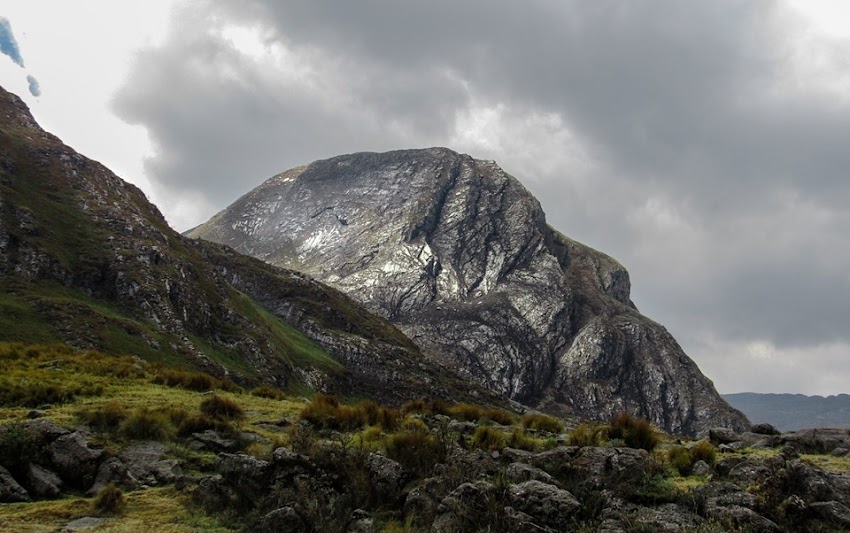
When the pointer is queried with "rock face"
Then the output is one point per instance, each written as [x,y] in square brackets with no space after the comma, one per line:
[458,255]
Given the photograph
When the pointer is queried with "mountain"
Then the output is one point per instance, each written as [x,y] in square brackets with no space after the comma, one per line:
[87,260]
[791,412]
[458,255]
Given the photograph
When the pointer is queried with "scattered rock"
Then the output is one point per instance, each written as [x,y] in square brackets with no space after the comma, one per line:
[722,436]
[42,482]
[701,468]
[82,524]
[519,472]
[145,464]
[283,519]
[74,461]
[764,428]
[360,522]
[833,512]
[462,507]
[112,470]
[547,504]
[212,440]
[386,475]
[10,490]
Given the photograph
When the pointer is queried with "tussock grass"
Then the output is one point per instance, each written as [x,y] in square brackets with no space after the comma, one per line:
[221,408]
[587,435]
[542,422]
[489,438]
[326,412]
[109,501]
[635,432]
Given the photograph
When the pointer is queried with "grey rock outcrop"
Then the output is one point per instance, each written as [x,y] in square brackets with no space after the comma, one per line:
[10,489]
[43,482]
[75,462]
[458,255]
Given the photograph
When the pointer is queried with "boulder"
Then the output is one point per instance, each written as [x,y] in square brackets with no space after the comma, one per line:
[547,504]
[42,482]
[731,505]
[817,440]
[246,474]
[422,502]
[722,436]
[214,441]
[519,472]
[114,471]
[83,524]
[832,512]
[145,464]
[386,476]
[74,461]
[463,507]
[701,468]
[556,460]
[764,428]
[360,522]
[283,519]
[10,490]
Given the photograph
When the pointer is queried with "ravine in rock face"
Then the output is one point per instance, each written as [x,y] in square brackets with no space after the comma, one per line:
[457,254]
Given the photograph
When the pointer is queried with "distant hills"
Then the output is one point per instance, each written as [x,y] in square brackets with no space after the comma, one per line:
[789,412]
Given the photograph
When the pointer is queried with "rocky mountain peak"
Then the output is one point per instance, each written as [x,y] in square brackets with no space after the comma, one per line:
[457,254]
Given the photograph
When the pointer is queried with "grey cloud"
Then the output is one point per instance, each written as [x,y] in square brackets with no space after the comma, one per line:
[685,104]
[34,87]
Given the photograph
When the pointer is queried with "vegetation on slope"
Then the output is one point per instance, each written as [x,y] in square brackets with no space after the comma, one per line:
[125,402]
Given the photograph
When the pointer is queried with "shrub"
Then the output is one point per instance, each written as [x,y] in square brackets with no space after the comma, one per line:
[195,381]
[415,406]
[109,501]
[587,435]
[703,451]
[499,416]
[416,451]
[466,412]
[221,408]
[325,411]
[411,423]
[19,446]
[680,460]
[521,440]
[439,407]
[375,415]
[372,434]
[488,438]
[104,417]
[322,411]
[264,391]
[635,432]
[147,424]
[200,422]
[542,422]
[302,439]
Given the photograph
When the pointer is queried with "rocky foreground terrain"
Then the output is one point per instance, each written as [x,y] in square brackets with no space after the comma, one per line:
[157,451]
[458,255]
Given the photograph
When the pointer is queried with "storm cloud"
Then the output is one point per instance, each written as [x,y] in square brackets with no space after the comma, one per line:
[704,145]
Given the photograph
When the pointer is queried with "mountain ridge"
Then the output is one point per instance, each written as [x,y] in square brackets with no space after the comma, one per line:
[791,412]
[459,256]
[87,260]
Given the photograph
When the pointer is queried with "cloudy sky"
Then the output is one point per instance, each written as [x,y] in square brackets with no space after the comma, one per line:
[706,145]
